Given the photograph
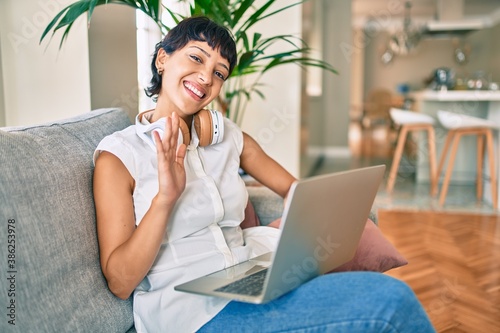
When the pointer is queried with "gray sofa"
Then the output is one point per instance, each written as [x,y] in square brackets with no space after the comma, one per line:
[51,273]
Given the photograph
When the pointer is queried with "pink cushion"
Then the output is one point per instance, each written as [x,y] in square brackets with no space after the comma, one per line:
[374,253]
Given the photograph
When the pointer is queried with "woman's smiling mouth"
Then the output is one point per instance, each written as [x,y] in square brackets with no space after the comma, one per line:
[194,90]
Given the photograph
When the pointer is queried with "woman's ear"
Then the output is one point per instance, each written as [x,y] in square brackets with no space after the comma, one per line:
[160,58]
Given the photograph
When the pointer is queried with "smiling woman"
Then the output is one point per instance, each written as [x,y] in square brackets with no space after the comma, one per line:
[179,205]
[204,50]
[204,58]
[168,211]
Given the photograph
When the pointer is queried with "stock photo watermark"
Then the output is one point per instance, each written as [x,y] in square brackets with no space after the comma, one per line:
[295,275]
[11,272]
[279,121]
[31,25]
[448,295]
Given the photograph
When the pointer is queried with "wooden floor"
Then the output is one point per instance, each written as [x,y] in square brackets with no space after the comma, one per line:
[454,266]
[454,259]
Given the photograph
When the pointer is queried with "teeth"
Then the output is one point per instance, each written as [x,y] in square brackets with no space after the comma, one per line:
[193,89]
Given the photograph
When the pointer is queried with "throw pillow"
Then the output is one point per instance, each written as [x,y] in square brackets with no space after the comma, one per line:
[374,253]
[251,218]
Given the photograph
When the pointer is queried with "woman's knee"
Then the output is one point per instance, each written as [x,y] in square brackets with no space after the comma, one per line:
[371,288]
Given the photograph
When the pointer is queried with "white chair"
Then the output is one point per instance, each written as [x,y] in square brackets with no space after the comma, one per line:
[412,121]
[459,125]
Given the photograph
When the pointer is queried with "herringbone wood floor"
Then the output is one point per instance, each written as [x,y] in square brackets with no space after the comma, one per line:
[454,259]
[454,266]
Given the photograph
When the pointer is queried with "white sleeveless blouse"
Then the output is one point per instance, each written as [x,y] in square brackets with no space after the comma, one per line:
[203,234]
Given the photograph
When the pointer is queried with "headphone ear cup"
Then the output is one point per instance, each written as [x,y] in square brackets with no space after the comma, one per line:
[203,127]
[184,131]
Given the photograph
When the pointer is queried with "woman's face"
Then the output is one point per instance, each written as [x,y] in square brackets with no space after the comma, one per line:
[192,77]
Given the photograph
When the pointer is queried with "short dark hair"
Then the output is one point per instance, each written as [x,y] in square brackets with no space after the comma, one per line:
[195,28]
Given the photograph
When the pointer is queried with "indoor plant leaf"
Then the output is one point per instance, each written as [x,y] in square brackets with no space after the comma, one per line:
[68,15]
[254,58]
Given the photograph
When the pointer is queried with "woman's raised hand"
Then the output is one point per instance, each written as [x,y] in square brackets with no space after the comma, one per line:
[171,173]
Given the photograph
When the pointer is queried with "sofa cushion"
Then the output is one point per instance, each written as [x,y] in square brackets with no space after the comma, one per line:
[267,204]
[46,194]
[374,253]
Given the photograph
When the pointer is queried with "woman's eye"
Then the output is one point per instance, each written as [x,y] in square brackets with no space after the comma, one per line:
[196,58]
[220,75]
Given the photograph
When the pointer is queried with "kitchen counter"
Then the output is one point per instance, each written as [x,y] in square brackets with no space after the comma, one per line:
[482,104]
[457,95]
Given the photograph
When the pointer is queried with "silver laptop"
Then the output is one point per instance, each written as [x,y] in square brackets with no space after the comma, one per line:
[320,230]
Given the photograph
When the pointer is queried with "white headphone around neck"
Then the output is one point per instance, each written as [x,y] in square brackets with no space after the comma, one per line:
[208,124]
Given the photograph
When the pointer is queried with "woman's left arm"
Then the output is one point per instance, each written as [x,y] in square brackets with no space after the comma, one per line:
[263,168]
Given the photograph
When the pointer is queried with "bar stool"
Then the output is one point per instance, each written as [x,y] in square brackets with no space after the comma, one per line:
[413,121]
[459,125]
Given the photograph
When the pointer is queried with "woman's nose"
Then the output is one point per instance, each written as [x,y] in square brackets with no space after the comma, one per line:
[205,77]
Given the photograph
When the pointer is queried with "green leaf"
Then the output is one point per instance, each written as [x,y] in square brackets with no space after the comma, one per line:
[260,93]
[239,16]
[256,38]
[255,16]
[282,9]
[175,16]
[65,35]
[265,43]
[73,13]
[53,23]
[67,16]
[242,9]
[299,61]
[92,5]
[246,58]
[244,38]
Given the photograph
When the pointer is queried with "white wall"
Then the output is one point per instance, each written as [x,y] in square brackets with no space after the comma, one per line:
[41,83]
[494,63]
[329,113]
[2,96]
[113,58]
[337,88]
[275,121]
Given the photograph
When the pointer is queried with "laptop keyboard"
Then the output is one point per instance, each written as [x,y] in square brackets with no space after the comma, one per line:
[251,285]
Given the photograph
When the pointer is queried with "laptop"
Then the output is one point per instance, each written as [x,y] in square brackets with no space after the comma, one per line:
[321,226]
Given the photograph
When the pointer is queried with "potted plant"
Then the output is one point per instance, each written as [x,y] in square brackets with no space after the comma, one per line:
[254,57]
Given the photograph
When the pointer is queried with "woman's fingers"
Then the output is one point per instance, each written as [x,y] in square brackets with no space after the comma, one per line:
[158,142]
[181,154]
[175,129]
[167,137]
[171,174]
[171,134]
[166,147]
[168,140]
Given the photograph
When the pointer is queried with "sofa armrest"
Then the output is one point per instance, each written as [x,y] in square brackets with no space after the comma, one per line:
[268,205]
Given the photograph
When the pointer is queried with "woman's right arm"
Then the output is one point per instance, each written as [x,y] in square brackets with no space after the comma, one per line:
[126,252]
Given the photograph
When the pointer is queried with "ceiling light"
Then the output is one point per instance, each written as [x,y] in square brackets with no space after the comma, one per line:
[404,41]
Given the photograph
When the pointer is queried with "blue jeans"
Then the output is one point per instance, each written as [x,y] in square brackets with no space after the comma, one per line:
[339,302]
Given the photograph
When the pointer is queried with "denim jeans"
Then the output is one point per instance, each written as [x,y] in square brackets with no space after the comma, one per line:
[339,302]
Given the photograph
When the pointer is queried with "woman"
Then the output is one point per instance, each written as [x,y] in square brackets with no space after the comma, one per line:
[169,210]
